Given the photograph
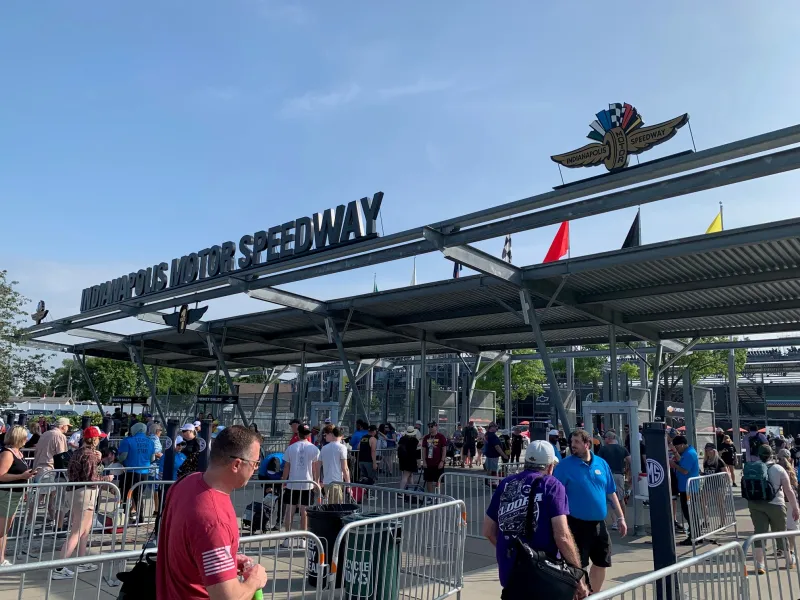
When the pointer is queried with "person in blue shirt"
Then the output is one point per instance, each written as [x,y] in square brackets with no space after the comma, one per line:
[687,467]
[180,457]
[361,431]
[137,453]
[590,488]
[493,449]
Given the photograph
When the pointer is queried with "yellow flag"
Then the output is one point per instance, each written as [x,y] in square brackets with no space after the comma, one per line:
[716,224]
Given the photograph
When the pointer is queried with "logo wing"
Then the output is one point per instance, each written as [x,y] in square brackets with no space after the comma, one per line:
[589,155]
[643,138]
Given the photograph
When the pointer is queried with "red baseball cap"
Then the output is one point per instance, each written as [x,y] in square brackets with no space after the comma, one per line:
[93,432]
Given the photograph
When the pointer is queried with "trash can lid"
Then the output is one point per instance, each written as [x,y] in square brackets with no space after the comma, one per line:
[332,509]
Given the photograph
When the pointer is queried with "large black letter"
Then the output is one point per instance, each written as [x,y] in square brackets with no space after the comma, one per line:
[328,227]
[371,210]
[303,237]
[245,247]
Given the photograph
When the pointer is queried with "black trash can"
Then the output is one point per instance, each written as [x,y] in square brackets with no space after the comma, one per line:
[372,560]
[325,521]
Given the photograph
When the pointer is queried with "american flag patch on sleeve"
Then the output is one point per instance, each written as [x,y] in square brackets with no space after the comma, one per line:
[217,561]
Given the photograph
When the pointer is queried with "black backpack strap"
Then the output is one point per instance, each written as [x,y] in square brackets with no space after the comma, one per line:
[530,526]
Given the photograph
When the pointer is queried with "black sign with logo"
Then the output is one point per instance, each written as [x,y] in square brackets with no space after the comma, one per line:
[218,399]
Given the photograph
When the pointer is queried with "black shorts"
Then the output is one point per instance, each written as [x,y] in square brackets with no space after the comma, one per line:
[432,474]
[297,497]
[592,540]
[673,482]
[469,450]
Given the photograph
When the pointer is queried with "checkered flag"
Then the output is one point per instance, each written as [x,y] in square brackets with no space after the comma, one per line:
[615,112]
[507,249]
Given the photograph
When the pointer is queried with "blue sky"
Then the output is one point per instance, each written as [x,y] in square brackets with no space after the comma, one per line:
[137,132]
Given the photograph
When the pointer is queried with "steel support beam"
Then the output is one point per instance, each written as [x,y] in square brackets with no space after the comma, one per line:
[678,355]
[85,372]
[733,392]
[349,396]
[477,374]
[612,346]
[423,382]
[283,298]
[331,325]
[508,408]
[273,377]
[137,360]
[212,342]
[555,392]
[656,379]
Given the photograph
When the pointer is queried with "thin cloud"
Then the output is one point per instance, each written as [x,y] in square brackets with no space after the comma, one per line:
[312,102]
[422,86]
[285,12]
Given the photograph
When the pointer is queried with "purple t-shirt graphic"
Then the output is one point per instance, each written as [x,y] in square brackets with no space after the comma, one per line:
[508,509]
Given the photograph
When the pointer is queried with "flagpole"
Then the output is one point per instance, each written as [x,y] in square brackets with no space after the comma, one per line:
[721,221]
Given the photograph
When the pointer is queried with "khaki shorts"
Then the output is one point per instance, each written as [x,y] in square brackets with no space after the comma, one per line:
[82,499]
[334,494]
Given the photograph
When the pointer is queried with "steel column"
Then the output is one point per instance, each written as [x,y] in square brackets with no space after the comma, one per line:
[507,398]
[221,365]
[88,379]
[422,401]
[273,428]
[346,363]
[733,392]
[301,391]
[612,346]
[137,360]
[656,379]
[555,392]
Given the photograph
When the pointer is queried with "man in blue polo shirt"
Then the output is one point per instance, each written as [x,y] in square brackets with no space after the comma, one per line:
[590,486]
[136,452]
[687,467]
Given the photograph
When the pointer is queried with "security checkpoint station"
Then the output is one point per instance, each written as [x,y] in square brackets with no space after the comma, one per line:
[656,299]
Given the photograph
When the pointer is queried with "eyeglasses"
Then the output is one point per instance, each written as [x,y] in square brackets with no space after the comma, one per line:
[252,463]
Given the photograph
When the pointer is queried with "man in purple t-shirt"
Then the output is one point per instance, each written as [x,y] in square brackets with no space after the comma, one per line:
[505,517]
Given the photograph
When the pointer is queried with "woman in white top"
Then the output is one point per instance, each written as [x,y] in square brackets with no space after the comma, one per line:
[771,516]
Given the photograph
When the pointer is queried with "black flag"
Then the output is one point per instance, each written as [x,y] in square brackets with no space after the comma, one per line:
[634,237]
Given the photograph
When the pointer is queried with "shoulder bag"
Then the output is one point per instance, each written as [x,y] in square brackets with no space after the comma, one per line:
[552,578]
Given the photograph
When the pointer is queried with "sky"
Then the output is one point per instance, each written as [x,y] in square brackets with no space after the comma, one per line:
[137,132]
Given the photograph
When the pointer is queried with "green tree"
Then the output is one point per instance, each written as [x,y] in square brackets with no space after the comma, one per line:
[19,367]
[705,363]
[527,379]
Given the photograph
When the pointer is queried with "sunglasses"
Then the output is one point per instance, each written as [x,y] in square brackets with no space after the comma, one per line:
[252,463]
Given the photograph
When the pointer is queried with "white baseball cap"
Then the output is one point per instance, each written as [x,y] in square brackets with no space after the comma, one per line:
[179,440]
[540,453]
[188,427]
[197,424]
[553,432]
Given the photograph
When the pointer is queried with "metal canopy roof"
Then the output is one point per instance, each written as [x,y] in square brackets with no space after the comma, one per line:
[738,282]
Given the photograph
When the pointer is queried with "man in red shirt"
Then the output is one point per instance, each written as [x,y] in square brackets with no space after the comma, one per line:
[199,535]
[434,449]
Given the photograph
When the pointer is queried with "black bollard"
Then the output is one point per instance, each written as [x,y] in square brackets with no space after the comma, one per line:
[204,439]
[22,419]
[9,418]
[661,517]
[108,428]
[86,421]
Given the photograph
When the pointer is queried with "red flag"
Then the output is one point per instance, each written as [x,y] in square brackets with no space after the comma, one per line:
[560,245]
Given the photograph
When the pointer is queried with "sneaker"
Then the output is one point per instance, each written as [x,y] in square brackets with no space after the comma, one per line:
[686,542]
[679,528]
[734,485]
[791,563]
[760,569]
[286,543]
[133,518]
[63,573]
[5,563]
[614,527]
[86,568]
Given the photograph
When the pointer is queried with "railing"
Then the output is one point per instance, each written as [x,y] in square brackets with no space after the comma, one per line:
[510,468]
[286,565]
[773,567]
[711,507]
[417,553]
[715,575]
[379,499]
[475,490]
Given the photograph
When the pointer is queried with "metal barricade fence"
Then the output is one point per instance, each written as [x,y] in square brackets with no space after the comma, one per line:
[711,507]
[388,468]
[259,506]
[772,565]
[378,499]
[286,566]
[715,575]
[40,517]
[510,468]
[476,491]
[417,553]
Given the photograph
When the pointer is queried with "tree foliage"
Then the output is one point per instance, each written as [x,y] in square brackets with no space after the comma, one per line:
[527,379]
[19,367]
[706,363]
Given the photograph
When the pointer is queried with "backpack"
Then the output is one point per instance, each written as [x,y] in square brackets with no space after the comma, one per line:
[755,482]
